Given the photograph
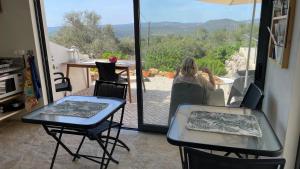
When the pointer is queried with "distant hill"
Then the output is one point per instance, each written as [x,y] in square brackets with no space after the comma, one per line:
[166,28]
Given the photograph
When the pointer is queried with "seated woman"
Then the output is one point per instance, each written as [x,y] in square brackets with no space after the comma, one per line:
[188,73]
[190,87]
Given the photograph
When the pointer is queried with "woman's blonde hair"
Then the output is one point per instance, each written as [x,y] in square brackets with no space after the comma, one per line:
[189,67]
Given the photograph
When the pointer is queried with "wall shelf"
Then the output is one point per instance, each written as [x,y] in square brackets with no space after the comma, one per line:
[11,97]
[6,115]
[280,17]
[281,31]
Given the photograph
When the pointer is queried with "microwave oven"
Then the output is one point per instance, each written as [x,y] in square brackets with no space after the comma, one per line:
[11,84]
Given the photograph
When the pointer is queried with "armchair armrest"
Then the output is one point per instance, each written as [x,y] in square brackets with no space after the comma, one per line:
[59,73]
[63,79]
[119,73]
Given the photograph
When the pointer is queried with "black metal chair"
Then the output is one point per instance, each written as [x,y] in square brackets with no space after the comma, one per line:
[253,97]
[251,100]
[65,83]
[108,89]
[107,72]
[195,159]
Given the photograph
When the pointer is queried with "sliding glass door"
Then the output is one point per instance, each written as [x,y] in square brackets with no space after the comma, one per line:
[219,37]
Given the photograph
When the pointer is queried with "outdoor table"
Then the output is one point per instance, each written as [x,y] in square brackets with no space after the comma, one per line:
[179,135]
[120,65]
[57,122]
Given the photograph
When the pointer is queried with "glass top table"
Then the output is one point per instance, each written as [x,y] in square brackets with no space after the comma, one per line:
[267,145]
[59,119]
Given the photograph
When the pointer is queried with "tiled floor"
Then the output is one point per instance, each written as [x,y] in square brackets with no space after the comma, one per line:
[26,146]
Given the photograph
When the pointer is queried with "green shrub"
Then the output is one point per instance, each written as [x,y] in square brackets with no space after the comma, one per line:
[223,53]
[119,55]
[168,53]
[215,65]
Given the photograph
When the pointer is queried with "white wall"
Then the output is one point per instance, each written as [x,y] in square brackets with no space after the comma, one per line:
[282,97]
[18,32]
[59,55]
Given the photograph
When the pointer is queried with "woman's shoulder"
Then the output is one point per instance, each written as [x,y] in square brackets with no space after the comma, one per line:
[184,79]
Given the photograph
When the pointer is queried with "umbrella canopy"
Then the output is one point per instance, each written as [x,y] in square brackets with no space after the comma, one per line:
[230,2]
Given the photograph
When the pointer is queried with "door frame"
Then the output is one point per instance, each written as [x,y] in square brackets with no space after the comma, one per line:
[260,70]
[43,48]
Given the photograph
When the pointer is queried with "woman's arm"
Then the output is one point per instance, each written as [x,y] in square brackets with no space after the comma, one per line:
[210,76]
[177,71]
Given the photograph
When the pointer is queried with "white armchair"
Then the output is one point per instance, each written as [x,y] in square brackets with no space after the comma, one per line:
[216,98]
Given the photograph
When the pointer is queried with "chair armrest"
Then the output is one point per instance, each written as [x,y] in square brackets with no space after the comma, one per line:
[121,72]
[235,104]
[59,73]
[63,79]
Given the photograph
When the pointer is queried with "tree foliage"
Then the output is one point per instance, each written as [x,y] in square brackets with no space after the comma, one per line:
[165,52]
[81,29]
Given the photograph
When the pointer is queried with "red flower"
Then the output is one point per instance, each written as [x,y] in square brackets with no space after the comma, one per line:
[113,59]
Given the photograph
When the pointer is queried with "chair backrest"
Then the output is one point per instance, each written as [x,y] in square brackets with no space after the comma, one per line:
[186,93]
[237,88]
[110,89]
[252,97]
[197,159]
[107,71]
[216,97]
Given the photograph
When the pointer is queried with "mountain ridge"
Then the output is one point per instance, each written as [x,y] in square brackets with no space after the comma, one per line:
[166,28]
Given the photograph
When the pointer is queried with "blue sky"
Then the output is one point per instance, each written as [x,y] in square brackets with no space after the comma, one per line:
[121,11]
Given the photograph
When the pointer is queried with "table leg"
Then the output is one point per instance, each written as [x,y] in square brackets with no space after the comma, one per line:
[68,71]
[87,77]
[104,147]
[67,75]
[182,157]
[129,86]
[59,142]
[55,151]
[79,147]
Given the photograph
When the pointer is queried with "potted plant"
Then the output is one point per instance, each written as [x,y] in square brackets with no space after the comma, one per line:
[146,73]
[170,75]
[112,59]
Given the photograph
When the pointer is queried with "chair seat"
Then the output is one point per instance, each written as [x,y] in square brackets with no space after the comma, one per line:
[122,80]
[94,133]
[62,87]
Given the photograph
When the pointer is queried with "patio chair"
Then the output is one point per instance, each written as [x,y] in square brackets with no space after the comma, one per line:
[253,97]
[186,93]
[107,89]
[237,89]
[64,85]
[216,97]
[107,72]
[195,159]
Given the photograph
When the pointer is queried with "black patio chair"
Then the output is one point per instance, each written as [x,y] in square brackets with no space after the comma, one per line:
[107,89]
[64,85]
[251,100]
[107,72]
[253,97]
[195,159]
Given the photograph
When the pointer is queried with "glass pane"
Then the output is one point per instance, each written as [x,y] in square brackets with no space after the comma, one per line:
[216,36]
[87,31]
